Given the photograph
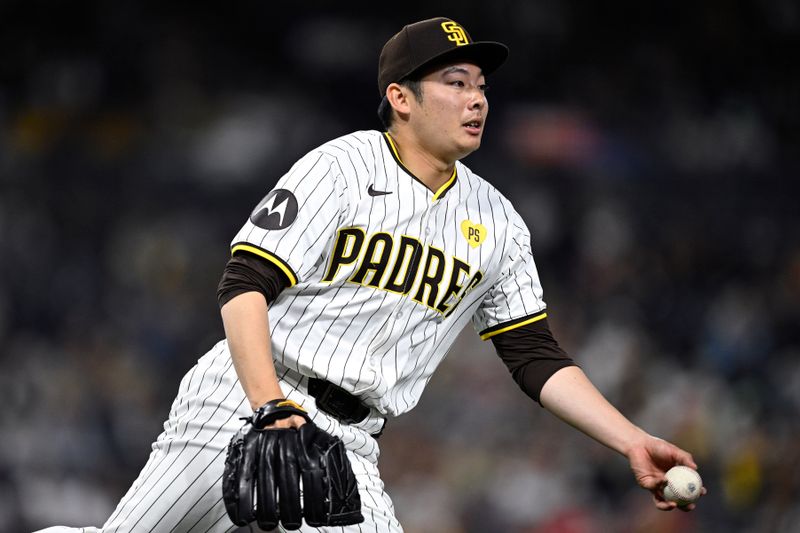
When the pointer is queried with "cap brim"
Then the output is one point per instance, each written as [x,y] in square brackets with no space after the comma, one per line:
[488,55]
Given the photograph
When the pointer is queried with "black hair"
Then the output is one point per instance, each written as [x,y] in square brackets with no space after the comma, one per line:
[385,108]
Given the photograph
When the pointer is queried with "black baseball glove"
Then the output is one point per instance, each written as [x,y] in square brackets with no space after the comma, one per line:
[264,469]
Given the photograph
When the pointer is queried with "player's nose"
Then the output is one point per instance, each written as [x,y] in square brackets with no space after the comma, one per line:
[477,99]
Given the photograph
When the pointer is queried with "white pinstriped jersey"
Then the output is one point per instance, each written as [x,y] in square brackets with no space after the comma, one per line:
[384,272]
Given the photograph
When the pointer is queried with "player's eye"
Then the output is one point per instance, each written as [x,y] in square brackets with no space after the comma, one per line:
[457,83]
[483,87]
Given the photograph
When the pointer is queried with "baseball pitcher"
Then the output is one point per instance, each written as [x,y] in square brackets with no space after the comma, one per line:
[346,287]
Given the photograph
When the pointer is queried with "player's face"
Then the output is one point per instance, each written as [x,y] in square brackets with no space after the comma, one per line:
[450,119]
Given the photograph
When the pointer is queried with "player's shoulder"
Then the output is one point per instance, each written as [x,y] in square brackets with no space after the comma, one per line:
[344,156]
[353,155]
[358,143]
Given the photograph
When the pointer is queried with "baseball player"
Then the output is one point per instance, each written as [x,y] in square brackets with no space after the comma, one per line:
[350,281]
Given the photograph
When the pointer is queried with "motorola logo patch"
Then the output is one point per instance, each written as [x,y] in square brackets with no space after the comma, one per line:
[277,210]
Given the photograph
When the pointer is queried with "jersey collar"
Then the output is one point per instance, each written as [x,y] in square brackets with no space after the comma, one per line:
[436,194]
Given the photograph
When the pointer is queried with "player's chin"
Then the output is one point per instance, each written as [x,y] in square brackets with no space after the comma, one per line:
[469,143]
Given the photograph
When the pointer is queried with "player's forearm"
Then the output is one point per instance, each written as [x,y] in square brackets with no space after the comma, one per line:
[570,396]
[246,325]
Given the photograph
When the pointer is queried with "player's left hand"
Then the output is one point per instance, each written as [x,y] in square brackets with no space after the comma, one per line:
[650,461]
[265,467]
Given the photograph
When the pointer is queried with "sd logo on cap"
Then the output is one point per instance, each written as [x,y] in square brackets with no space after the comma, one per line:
[427,42]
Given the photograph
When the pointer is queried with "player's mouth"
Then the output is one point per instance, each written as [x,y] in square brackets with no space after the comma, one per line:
[473,127]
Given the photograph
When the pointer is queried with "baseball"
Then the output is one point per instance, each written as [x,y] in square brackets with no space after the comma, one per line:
[683,485]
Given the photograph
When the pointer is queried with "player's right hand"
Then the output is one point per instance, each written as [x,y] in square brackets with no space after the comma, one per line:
[285,422]
[293,421]
[650,461]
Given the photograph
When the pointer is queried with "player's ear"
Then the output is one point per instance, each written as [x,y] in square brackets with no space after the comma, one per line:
[398,97]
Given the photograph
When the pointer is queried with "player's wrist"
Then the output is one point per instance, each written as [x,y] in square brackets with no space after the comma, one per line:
[636,440]
[264,393]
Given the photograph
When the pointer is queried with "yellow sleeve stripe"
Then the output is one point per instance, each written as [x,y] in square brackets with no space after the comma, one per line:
[275,260]
[489,333]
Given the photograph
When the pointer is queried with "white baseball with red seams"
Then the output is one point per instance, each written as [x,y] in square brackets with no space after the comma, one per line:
[684,485]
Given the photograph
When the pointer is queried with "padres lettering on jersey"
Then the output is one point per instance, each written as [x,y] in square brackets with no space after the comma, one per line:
[408,264]
[385,273]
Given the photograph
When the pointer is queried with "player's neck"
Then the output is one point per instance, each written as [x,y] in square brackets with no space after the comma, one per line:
[431,170]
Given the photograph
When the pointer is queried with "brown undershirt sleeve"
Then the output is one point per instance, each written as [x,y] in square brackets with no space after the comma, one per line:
[532,355]
[247,272]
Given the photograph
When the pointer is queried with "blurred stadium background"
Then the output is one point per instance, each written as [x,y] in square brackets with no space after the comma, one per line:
[651,147]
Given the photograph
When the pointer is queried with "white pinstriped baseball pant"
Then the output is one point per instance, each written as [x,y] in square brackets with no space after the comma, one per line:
[180,488]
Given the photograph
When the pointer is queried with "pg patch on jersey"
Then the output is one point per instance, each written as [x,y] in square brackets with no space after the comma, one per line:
[276,211]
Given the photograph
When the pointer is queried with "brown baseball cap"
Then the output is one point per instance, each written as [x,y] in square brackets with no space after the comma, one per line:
[431,41]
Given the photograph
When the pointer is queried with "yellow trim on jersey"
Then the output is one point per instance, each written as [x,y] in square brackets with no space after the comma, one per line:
[269,257]
[393,146]
[441,189]
[446,186]
[513,326]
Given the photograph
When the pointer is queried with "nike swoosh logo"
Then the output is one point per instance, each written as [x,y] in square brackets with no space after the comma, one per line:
[372,192]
